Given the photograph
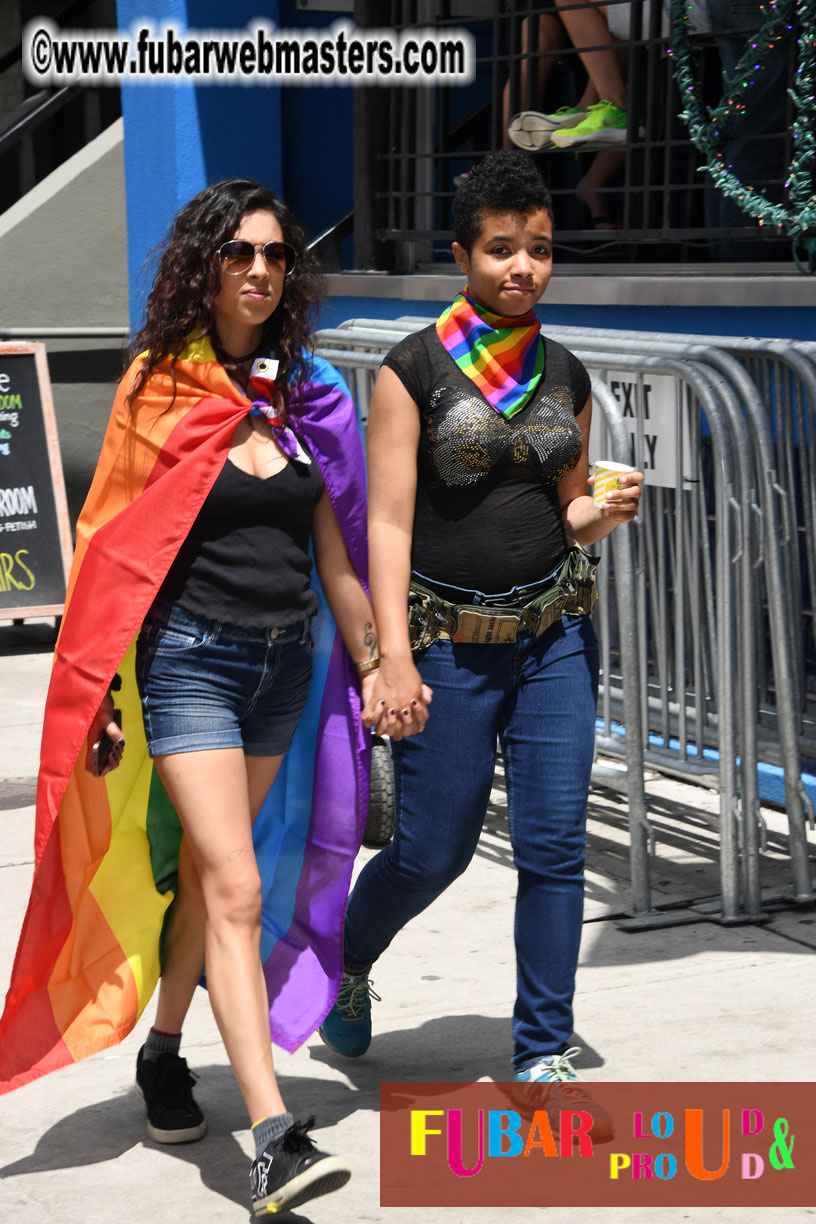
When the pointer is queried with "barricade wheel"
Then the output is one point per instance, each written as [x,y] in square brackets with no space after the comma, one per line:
[379,827]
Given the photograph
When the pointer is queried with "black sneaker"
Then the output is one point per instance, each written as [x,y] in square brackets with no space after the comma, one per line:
[165,1085]
[292,1170]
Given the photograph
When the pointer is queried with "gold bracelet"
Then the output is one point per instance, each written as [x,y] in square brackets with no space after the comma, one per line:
[369,665]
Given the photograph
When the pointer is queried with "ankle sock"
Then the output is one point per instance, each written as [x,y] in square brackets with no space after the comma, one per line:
[269,1129]
[159,1043]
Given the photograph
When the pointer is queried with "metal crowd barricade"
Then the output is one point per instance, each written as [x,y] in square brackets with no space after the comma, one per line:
[783,422]
[641,833]
[689,639]
[805,417]
[786,375]
[361,344]
[773,692]
[707,552]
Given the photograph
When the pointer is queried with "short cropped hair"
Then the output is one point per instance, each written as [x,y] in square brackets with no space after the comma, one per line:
[505,181]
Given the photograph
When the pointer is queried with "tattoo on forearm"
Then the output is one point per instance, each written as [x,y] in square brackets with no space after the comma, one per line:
[370,640]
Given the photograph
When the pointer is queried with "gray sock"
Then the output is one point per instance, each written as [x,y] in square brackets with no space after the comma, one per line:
[160,1043]
[269,1129]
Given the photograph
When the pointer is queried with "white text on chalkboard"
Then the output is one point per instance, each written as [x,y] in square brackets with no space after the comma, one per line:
[18,501]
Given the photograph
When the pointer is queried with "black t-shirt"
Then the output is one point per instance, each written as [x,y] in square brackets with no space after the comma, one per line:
[487,516]
[246,560]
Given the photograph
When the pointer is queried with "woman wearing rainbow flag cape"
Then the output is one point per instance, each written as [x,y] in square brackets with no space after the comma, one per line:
[228,450]
[478,482]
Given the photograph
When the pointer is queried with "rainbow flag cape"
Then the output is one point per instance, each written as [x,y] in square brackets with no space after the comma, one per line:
[504,358]
[106,849]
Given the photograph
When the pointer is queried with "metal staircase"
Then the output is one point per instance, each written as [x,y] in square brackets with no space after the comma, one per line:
[50,125]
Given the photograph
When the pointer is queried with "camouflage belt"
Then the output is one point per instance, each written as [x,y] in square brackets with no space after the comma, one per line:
[573,593]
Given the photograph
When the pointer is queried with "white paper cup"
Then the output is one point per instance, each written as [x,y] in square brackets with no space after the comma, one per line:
[607,478]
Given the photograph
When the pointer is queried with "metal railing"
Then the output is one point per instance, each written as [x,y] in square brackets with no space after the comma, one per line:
[413,143]
[698,661]
[775,411]
[776,716]
[50,125]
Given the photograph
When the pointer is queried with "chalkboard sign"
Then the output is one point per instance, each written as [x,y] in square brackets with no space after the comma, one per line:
[35,536]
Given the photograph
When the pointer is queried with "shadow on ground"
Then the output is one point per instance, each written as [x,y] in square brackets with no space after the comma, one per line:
[28,637]
[108,1129]
[447,1049]
[684,869]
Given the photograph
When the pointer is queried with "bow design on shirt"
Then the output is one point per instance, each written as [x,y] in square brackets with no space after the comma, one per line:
[470,438]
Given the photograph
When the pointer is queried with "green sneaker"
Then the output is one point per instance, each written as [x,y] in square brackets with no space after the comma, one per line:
[532,130]
[604,125]
[347,1028]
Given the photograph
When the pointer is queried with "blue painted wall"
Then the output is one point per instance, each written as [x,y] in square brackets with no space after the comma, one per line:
[179,138]
[785,322]
[317,138]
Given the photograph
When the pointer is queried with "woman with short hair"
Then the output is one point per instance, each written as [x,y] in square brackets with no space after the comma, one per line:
[479,503]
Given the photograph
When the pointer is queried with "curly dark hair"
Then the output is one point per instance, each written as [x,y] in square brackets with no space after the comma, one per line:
[503,181]
[187,281]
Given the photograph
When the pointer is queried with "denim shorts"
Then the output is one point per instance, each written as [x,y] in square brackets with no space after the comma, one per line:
[204,684]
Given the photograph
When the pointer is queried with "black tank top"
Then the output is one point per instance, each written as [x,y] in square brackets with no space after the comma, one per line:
[246,560]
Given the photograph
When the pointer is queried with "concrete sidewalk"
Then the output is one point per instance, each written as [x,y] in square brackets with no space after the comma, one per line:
[688,1002]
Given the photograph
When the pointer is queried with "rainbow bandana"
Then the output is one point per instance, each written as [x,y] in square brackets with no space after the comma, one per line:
[503,357]
[106,849]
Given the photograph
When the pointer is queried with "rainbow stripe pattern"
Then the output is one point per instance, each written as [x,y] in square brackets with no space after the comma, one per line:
[106,849]
[503,357]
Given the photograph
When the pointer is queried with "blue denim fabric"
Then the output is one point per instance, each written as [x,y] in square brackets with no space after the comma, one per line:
[538,696]
[205,684]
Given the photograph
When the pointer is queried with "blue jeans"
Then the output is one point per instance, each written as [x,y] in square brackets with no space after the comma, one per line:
[205,684]
[538,696]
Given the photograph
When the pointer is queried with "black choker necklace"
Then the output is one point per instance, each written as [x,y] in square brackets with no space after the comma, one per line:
[231,358]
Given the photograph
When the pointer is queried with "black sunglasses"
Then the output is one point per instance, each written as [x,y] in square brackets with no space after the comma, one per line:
[238,256]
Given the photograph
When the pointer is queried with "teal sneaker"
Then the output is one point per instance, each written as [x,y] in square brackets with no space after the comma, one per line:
[605,125]
[532,130]
[551,1085]
[347,1028]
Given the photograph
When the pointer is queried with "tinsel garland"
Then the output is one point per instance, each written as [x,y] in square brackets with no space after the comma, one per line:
[708,126]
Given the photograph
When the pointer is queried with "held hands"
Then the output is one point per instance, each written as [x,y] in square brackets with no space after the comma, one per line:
[621,504]
[395,699]
[105,741]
